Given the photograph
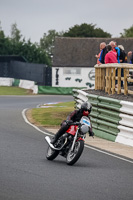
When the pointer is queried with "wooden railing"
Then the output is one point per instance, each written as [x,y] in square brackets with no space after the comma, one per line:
[106,78]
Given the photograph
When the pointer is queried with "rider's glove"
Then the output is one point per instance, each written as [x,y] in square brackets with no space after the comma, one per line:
[69,122]
[91,133]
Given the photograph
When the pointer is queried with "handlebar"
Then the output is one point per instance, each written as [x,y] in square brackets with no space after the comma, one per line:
[73,123]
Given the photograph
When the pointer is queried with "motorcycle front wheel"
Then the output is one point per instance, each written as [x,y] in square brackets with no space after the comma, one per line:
[74,155]
[51,154]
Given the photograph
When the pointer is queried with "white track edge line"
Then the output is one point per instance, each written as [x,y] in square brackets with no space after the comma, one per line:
[93,148]
[104,152]
[25,119]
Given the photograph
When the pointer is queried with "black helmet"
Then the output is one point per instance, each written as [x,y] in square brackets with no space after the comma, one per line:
[86,106]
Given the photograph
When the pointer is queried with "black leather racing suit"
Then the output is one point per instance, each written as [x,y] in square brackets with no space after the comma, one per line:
[74,116]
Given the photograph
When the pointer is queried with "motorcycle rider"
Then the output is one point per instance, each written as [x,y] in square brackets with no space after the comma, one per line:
[74,116]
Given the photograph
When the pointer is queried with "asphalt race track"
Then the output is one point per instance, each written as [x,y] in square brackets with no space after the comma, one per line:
[25,173]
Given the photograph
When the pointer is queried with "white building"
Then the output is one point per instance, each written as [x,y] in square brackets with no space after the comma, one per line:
[72,66]
[73,77]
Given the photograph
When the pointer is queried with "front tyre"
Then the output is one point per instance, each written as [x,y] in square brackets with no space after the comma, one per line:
[51,154]
[74,155]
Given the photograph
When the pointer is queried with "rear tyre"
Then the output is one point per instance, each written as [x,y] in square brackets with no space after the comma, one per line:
[74,155]
[51,154]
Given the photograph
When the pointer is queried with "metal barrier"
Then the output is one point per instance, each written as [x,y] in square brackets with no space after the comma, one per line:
[110,120]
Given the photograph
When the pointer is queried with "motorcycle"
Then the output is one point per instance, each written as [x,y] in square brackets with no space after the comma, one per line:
[71,144]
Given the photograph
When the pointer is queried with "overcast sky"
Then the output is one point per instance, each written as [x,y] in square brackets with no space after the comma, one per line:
[36,17]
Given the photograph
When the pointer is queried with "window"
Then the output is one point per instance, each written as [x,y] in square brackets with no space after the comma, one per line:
[72,70]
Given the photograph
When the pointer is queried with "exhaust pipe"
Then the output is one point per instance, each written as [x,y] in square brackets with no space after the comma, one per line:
[47,138]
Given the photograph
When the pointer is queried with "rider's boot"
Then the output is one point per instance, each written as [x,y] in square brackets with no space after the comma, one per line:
[55,138]
[60,132]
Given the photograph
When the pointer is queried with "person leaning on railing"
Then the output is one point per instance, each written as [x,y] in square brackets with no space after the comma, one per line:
[103,53]
[110,57]
[123,55]
[130,55]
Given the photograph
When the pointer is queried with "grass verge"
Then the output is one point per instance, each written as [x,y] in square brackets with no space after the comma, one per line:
[52,116]
[6,90]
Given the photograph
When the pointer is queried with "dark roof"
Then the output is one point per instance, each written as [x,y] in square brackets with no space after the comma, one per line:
[80,52]
[4,58]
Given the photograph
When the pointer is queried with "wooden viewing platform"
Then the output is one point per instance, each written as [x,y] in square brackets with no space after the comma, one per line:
[106,78]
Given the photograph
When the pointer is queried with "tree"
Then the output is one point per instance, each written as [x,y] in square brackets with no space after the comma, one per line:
[34,53]
[5,43]
[127,32]
[0,26]
[47,41]
[86,30]
[15,45]
[15,33]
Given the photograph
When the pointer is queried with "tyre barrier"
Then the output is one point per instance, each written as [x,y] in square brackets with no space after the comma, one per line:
[111,119]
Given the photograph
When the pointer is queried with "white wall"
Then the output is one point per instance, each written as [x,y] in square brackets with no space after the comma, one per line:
[6,81]
[86,74]
[29,85]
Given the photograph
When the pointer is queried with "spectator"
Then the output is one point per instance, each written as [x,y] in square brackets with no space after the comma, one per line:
[98,55]
[130,55]
[123,55]
[115,49]
[110,57]
[103,53]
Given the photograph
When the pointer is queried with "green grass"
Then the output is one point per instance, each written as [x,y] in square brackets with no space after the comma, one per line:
[52,116]
[6,90]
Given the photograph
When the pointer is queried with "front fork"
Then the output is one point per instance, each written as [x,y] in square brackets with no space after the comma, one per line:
[75,138]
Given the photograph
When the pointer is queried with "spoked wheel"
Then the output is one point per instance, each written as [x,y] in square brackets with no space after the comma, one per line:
[74,155]
[51,154]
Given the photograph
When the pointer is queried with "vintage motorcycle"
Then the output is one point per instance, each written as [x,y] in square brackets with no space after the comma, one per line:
[71,144]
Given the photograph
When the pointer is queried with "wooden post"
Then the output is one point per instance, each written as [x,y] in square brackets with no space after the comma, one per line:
[113,80]
[109,83]
[96,70]
[119,81]
[103,78]
[106,77]
[98,79]
[125,81]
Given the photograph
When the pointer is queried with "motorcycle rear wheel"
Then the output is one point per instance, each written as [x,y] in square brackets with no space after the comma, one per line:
[74,155]
[51,154]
